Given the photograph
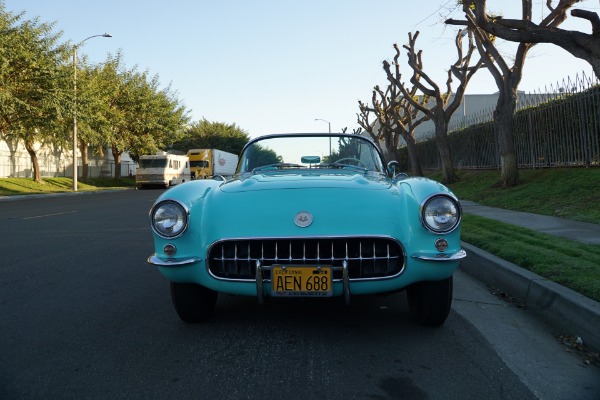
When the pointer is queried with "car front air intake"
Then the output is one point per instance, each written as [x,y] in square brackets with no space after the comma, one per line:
[367,257]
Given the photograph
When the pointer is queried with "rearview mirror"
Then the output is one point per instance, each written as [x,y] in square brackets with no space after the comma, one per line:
[310,159]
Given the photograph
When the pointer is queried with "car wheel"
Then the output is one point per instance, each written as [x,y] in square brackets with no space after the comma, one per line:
[193,303]
[429,302]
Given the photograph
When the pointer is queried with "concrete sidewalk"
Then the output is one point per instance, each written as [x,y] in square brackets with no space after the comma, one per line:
[580,231]
[566,310]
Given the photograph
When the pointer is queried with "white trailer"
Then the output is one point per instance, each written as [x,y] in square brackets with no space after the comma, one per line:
[162,169]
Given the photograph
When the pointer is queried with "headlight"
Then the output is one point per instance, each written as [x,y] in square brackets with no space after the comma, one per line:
[169,218]
[440,214]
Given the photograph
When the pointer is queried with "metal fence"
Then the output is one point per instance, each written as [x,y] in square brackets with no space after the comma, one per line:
[559,126]
[19,165]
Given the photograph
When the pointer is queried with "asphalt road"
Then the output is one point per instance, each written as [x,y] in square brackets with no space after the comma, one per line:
[82,316]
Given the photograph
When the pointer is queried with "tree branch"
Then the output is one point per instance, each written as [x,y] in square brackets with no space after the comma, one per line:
[590,16]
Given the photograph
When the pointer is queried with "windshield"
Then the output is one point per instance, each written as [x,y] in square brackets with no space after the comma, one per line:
[201,164]
[153,163]
[310,151]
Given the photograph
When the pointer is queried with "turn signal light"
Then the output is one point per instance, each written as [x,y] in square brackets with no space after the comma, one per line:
[441,244]
[170,250]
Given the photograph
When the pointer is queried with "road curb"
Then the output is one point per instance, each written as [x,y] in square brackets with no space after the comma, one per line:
[566,310]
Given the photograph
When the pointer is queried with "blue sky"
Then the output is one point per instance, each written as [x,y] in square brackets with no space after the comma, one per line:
[274,66]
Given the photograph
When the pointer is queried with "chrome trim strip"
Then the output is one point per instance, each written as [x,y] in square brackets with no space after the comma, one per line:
[172,263]
[440,256]
[259,283]
[346,279]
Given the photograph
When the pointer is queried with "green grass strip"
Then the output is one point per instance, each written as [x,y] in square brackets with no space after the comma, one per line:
[19,186]
[566,262]
[570,193]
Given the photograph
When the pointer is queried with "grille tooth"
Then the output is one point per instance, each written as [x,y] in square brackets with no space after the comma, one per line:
[304,251]
[318,252]
[367,257]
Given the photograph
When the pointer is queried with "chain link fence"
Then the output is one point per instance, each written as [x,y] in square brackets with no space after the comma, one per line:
[18,164]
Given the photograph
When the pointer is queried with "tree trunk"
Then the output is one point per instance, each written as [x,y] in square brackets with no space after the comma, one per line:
[380,143]
[503,116]
[413,158]
[441,139]
[389,152]
[57,152]
[12,148]
[13,163]
[83,148]
[34,160]
[117,158]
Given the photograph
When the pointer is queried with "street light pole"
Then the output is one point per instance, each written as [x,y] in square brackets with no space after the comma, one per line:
[328,123]
[75,106]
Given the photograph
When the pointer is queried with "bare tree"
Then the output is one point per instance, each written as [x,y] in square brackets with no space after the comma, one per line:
[355,131]
[381,134]
[507,77]
[579,44]
[363,121]
[440,109]
[397,118]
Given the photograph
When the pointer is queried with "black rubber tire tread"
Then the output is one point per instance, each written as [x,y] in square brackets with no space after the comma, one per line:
[193,303]
[429,302]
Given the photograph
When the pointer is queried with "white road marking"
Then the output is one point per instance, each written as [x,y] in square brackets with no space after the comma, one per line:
[50,215]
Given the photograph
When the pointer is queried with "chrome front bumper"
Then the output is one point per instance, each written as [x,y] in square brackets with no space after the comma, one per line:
[171,263]
[440,256]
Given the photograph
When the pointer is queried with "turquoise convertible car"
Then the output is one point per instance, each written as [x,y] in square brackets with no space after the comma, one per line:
[309,215]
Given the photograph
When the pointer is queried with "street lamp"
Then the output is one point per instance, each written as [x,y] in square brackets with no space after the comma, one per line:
[328,123]
[75,106]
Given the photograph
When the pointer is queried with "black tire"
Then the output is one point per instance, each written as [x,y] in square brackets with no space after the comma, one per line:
[193,303]
[429,302]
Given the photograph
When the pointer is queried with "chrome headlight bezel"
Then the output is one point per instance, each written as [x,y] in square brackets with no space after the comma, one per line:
[428,219]
[182,214]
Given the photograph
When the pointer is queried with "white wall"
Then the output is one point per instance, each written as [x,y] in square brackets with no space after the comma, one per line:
[16,162]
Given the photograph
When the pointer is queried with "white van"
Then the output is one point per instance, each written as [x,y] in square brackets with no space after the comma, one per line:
[162,169]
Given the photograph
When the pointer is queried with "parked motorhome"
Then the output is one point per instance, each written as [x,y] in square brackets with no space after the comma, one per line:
[206,163]
[162,169]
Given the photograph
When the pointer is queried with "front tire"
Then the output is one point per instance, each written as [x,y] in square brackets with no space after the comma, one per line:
[192,302]
[429,302]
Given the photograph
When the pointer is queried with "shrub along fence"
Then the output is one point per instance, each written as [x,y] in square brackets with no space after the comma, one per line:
[558,128]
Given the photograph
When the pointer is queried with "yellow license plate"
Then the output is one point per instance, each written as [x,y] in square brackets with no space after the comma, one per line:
[301,281]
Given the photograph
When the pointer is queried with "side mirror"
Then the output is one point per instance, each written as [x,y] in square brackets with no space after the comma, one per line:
[393,169]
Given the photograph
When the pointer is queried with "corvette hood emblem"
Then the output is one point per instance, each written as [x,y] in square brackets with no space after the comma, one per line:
[303,219]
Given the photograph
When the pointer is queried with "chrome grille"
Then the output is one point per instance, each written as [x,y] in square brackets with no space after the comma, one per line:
[367,257]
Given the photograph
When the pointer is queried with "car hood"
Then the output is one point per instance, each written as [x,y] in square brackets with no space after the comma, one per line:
[267,205]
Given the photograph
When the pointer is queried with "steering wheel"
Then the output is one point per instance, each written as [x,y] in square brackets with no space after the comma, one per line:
[356,160]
